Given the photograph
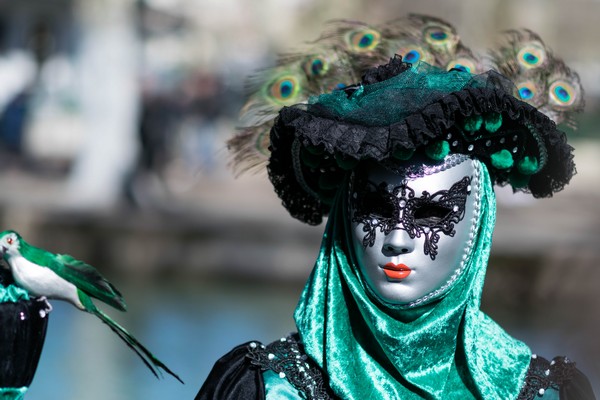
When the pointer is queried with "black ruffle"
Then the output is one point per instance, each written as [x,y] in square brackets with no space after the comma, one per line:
[383,72]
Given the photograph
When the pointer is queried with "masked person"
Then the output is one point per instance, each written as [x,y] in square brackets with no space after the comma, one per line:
[404,165]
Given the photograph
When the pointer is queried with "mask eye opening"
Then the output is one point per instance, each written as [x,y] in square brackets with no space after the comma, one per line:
[430,214]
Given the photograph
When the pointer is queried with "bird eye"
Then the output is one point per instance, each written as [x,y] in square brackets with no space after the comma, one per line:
[9,240]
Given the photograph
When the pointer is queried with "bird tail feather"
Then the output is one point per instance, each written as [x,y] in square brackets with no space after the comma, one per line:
[153,363]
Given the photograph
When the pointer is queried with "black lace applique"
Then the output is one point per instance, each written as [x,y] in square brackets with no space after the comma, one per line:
[428,215]
[543,375]
[286,358]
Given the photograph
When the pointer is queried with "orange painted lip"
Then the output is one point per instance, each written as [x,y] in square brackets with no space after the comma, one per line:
[396,271]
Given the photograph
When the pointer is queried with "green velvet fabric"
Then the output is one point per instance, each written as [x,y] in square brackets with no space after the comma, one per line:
[448,349]
[12,293]
[13,393]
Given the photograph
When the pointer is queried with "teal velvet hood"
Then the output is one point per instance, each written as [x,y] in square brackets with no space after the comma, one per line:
[448,349]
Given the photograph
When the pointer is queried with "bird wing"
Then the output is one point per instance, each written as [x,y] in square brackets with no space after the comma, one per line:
[88,280]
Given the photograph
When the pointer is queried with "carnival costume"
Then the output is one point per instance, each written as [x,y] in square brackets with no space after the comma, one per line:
[414,120]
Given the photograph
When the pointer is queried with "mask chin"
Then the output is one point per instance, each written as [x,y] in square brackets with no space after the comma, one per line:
[412,230]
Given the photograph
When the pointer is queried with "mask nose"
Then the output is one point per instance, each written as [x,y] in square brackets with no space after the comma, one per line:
[398,242]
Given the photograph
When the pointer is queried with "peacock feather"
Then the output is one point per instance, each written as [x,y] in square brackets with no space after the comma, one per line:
[346,49]
[541,79]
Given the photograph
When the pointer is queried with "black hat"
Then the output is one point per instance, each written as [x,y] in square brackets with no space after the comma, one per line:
[399,110]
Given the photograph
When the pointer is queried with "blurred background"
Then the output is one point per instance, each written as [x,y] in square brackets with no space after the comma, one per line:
[113,121]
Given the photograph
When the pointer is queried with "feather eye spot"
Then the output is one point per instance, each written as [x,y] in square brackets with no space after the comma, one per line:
[284,88]
[412,56]
[461,68]
[439,35]
[562,93]
[316,66]
[526,93]
[364,40]
[338,86]
[462,64]
[531,56]
[529,93]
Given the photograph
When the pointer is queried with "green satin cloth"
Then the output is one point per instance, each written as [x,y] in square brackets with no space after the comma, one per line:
[448,349]
[277,388]
[13,393]
[12,294]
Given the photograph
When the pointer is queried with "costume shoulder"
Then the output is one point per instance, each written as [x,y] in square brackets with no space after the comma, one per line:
[559,375]
[233,377]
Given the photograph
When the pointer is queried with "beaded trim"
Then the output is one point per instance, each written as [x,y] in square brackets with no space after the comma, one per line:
[476,210]
[418,170]
[543,375]
[286,358]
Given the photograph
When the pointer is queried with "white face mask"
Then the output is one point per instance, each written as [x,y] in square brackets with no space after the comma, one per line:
[411,231]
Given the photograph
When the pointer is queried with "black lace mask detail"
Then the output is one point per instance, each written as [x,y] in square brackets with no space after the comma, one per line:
[377,207]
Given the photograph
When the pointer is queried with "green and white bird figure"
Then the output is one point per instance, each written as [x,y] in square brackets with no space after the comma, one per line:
[62,277]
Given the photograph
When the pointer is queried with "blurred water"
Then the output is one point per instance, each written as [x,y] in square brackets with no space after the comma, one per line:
[187,326]
[190,325]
